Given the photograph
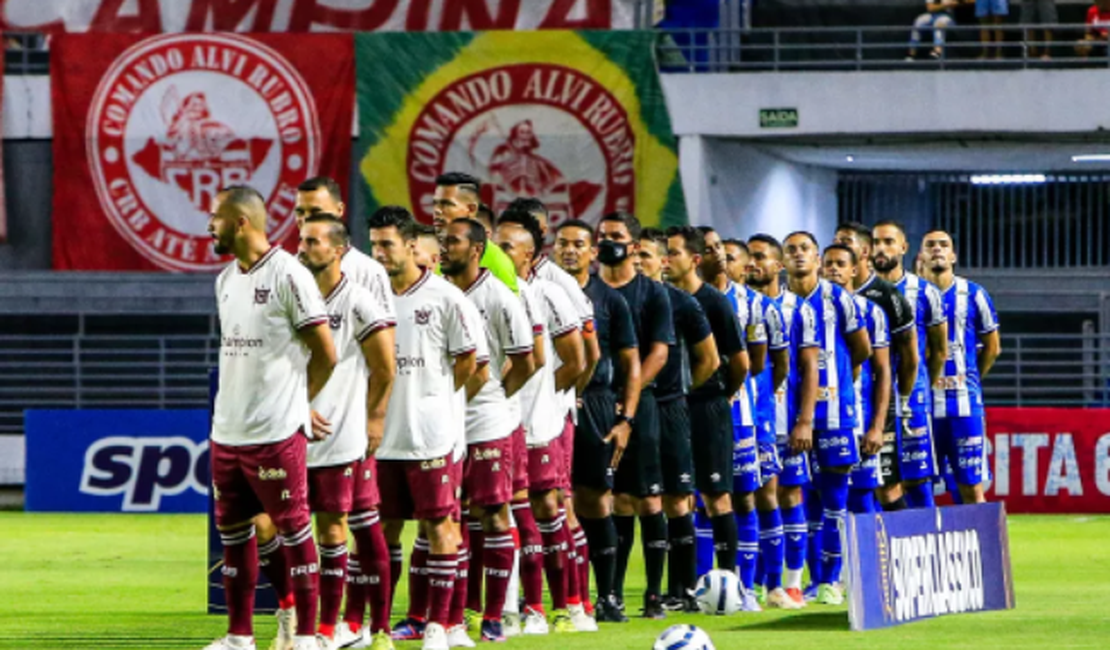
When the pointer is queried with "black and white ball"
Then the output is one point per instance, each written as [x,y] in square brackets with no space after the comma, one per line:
[683,637]
[718,593]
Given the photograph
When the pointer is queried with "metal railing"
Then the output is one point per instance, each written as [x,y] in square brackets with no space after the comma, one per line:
[1051,370]
[782,49]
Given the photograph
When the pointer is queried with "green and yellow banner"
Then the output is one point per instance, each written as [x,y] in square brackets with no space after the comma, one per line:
[575,119]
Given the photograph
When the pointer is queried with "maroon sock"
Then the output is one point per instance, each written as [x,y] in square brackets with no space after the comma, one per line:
[531,555]
[240,577]
[582,553]
[477,566]
[573,597]
[304,574]
[375,559]
[442,573]
[554,560]
[271,559]
[418,579]
[396,566]
[498,555]
[333,575]
[457,612]
[354,612]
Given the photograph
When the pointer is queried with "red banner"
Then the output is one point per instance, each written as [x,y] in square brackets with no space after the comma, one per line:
[1050,460]
[147,130]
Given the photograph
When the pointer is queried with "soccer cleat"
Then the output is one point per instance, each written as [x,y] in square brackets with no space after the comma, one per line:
[778,599]
[830,595]
[287,626]
[321,642]
[607,611]
[749,602]
[473,620]
[619,602]
[381,641]
[810,593]
[510,624]
[232,642]
[409,629]
[534,622]
[653,608]
[761,594]
[435,637]
[795,595]
[458,638]
[493,631]
[345,637]
[560,622]
[673,603]
[583,622]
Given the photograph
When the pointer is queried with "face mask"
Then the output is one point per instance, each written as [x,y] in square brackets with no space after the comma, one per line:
[611,253]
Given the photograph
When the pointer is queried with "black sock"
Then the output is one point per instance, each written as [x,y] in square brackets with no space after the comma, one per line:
[654,529]
[601,535]
[725,540]
[682,566]
[626,536]
[895,506]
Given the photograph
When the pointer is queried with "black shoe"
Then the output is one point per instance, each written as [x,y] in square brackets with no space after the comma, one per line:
[653,608]
[673,603]
[690,605]
[606,611]
[619,601]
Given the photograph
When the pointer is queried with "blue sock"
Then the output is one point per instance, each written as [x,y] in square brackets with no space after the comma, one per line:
[771,535]
[920,496]
[794,525]
[748,547]
[704,545]
[760,570]
[861,501]
[834,497]
[813,539]
[952,488]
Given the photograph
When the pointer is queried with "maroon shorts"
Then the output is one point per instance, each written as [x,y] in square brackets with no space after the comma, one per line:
[252,479]
[488,480]
[418,489]
[520,460]
[566,448]
[365,493]
[545,466]
[331,488]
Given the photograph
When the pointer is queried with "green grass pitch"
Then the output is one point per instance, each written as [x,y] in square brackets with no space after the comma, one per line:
[137,581]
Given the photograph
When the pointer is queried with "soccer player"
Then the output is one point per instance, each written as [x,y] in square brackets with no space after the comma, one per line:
[691,362]
[958,414]
[844,346]
[276,355]
[609,399]
[427,250]
[748,306]
[493,414]
[457,197]
[917,464]
[795,401]
[340,481]
[641,476]
[711,431]
[873,384]
[437,354]
[736,260]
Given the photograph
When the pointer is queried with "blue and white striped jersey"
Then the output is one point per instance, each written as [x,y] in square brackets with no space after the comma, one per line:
[801,323]
[837,316]
[748,305]
[971,314]
[778,338]
[879,331]
[928,312]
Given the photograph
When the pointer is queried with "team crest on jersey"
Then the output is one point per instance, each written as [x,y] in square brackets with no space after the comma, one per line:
[422,316]
[335,321]
[261,296]
[178,117]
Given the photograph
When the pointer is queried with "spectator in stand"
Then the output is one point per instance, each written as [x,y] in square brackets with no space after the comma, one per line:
[1098,29]
[1039,12]
[937,16]
[991,12]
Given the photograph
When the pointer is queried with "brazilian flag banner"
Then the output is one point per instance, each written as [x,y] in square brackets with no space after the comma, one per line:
[575,119]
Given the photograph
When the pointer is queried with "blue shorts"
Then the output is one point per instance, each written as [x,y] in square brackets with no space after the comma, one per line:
[866,474]
[916,458]
[796,469]
[985,8]
[769,463]
[745,460]
[961,442]
[836,447]
[921,405]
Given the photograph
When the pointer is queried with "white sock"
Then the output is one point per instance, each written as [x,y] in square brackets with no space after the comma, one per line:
[792,579]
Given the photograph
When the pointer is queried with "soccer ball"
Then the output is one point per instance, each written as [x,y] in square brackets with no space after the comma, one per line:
[718,592]
[683,637]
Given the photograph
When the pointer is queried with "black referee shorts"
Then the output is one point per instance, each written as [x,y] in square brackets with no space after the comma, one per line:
[640,473]
[711,440]
[675,455]
[592,456]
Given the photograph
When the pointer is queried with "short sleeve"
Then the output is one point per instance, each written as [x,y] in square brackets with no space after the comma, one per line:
[731,339]
[756,331]
[986,315]
[777,336]
[851,317]
[561,317]
[659,322]
[463,327]
[368,314]
[880,333]
[934,306]
[622,331]
[514,328]
[532,308]
[695,326]
[805,325]
[300,298]
[903,313]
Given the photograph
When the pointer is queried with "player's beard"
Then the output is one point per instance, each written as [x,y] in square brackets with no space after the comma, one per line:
[885,264]
[758,282]
[450,268]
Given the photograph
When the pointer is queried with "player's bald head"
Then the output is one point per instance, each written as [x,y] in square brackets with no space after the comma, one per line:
[244,201]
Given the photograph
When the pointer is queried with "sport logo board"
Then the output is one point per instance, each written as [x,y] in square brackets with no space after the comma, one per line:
[175,118]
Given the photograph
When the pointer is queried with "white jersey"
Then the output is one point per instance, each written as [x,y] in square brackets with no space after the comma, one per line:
[543,422]
[434,325]
[263,393]
[365,271]
[353,314]
[491,415]
[547,270]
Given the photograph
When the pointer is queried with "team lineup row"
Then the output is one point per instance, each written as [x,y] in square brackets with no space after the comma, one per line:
[527,410]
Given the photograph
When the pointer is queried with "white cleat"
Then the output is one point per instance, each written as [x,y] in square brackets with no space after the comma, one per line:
[345,638]
[435,637]
[510,624]
[778,599]
[322,643]
[232,642]
[582,621]
[287,627]
[534,622]
[458,638]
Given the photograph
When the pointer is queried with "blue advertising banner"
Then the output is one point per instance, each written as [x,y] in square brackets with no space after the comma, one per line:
[915,564]
[117,460]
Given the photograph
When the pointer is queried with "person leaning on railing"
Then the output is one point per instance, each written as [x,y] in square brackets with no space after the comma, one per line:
[1039,12]
[1098,29]
[937,16]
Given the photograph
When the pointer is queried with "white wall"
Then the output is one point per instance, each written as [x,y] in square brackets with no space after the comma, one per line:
[741,190]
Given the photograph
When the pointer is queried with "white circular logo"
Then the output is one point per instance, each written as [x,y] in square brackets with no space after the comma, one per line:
[178,117]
